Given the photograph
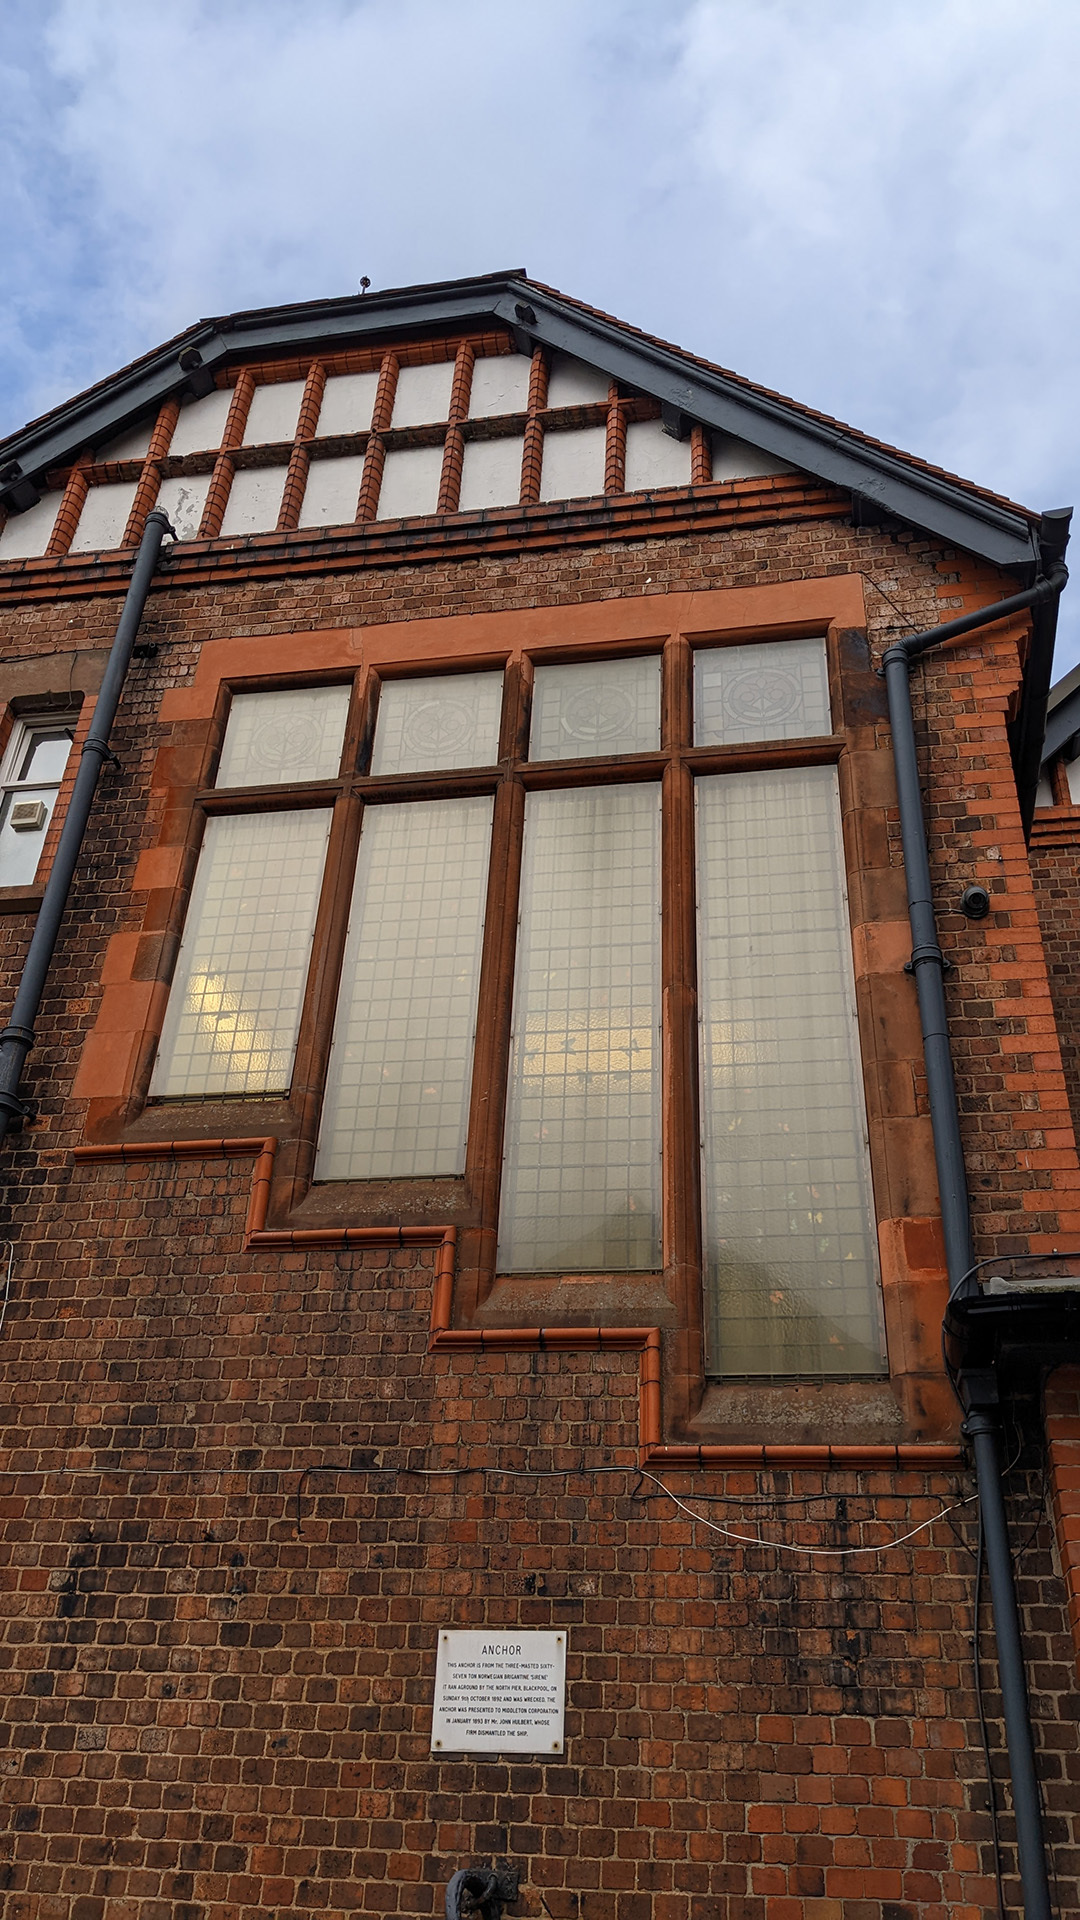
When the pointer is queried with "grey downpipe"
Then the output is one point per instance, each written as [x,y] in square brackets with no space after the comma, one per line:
[18,1037]
[928,966]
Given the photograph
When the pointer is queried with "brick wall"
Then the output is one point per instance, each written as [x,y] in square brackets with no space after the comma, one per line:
[219,1654]
[225,1585]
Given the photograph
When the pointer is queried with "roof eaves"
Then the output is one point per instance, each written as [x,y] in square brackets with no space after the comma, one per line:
[895,483]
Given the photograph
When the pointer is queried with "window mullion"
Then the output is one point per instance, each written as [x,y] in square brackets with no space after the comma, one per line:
[681,1167]
[487,1106]
[296,1158]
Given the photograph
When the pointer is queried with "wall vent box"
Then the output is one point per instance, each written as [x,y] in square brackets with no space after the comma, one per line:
[28,816]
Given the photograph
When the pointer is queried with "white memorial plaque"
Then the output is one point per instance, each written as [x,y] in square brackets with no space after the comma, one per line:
[499,1692]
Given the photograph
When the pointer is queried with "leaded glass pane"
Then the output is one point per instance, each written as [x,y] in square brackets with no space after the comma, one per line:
[397,1088]
[772,690]
[581,1180]
[596,707]
[791,1277]
[234,1009]
[445,720]
[272,738]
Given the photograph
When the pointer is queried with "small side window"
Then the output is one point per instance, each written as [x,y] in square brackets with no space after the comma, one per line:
[30,775]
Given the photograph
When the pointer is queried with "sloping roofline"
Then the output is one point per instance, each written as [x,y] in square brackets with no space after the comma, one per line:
[884,481]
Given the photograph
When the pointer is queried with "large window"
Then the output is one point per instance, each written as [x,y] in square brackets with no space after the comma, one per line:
[570,943]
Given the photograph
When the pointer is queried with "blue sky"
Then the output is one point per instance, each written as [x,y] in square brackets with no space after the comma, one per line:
[869,207]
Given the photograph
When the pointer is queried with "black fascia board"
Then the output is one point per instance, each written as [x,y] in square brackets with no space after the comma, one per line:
[509,299]
[923,500]
[106,411]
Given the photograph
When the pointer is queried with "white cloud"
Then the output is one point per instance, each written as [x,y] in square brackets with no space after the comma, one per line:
[868,207]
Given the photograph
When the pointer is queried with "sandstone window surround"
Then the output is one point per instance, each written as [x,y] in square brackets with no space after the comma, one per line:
[374,436]
[451,914]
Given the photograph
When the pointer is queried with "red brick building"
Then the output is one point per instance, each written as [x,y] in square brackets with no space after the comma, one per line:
[479,1167]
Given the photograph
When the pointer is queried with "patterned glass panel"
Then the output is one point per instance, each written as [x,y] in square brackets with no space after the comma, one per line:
[596,707]
[234,1009]
[772,690]
[445,720]
[397,1089]
[791,1283]
[271,738]
[581,1180]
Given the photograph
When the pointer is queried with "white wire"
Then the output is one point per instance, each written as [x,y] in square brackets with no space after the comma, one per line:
[783,1546]
[714,1526]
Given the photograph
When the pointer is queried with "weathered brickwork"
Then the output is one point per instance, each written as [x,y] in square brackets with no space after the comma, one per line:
[225,1578]
[226,1556]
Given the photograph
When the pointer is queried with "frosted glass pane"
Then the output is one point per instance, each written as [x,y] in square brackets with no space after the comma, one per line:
[183,499]
[596,707]
[500,384]
[1044,795]
[347,401]
[734,459]
[581,1176]
[773,690]
[273,411]
[26,535]
[571,383]
[254,501]
[491,474]
[422,394]
[573,463]
[397,1088]
[292,735]
[202,423]
[104,517]
[332,492]
[791,1278]
[234,1008]
[1072,769]
[653,458]
[45,756]
[446,720]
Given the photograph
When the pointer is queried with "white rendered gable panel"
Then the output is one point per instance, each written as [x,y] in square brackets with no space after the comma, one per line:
[132,445]
[654,459]
[410,482]
[423,394]
[104,517]
[734,459]
[573,384]
[254,501]
[332,492]
[273,412]
[183,499]
[491,474]
[26,535]
[202,423]
[500,384]
[347,402]
[573,464]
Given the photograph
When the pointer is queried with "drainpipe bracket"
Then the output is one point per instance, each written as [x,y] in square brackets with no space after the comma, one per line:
[934,955]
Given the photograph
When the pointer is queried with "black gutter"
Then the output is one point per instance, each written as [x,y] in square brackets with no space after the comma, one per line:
[18,1038]
[979,1390]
